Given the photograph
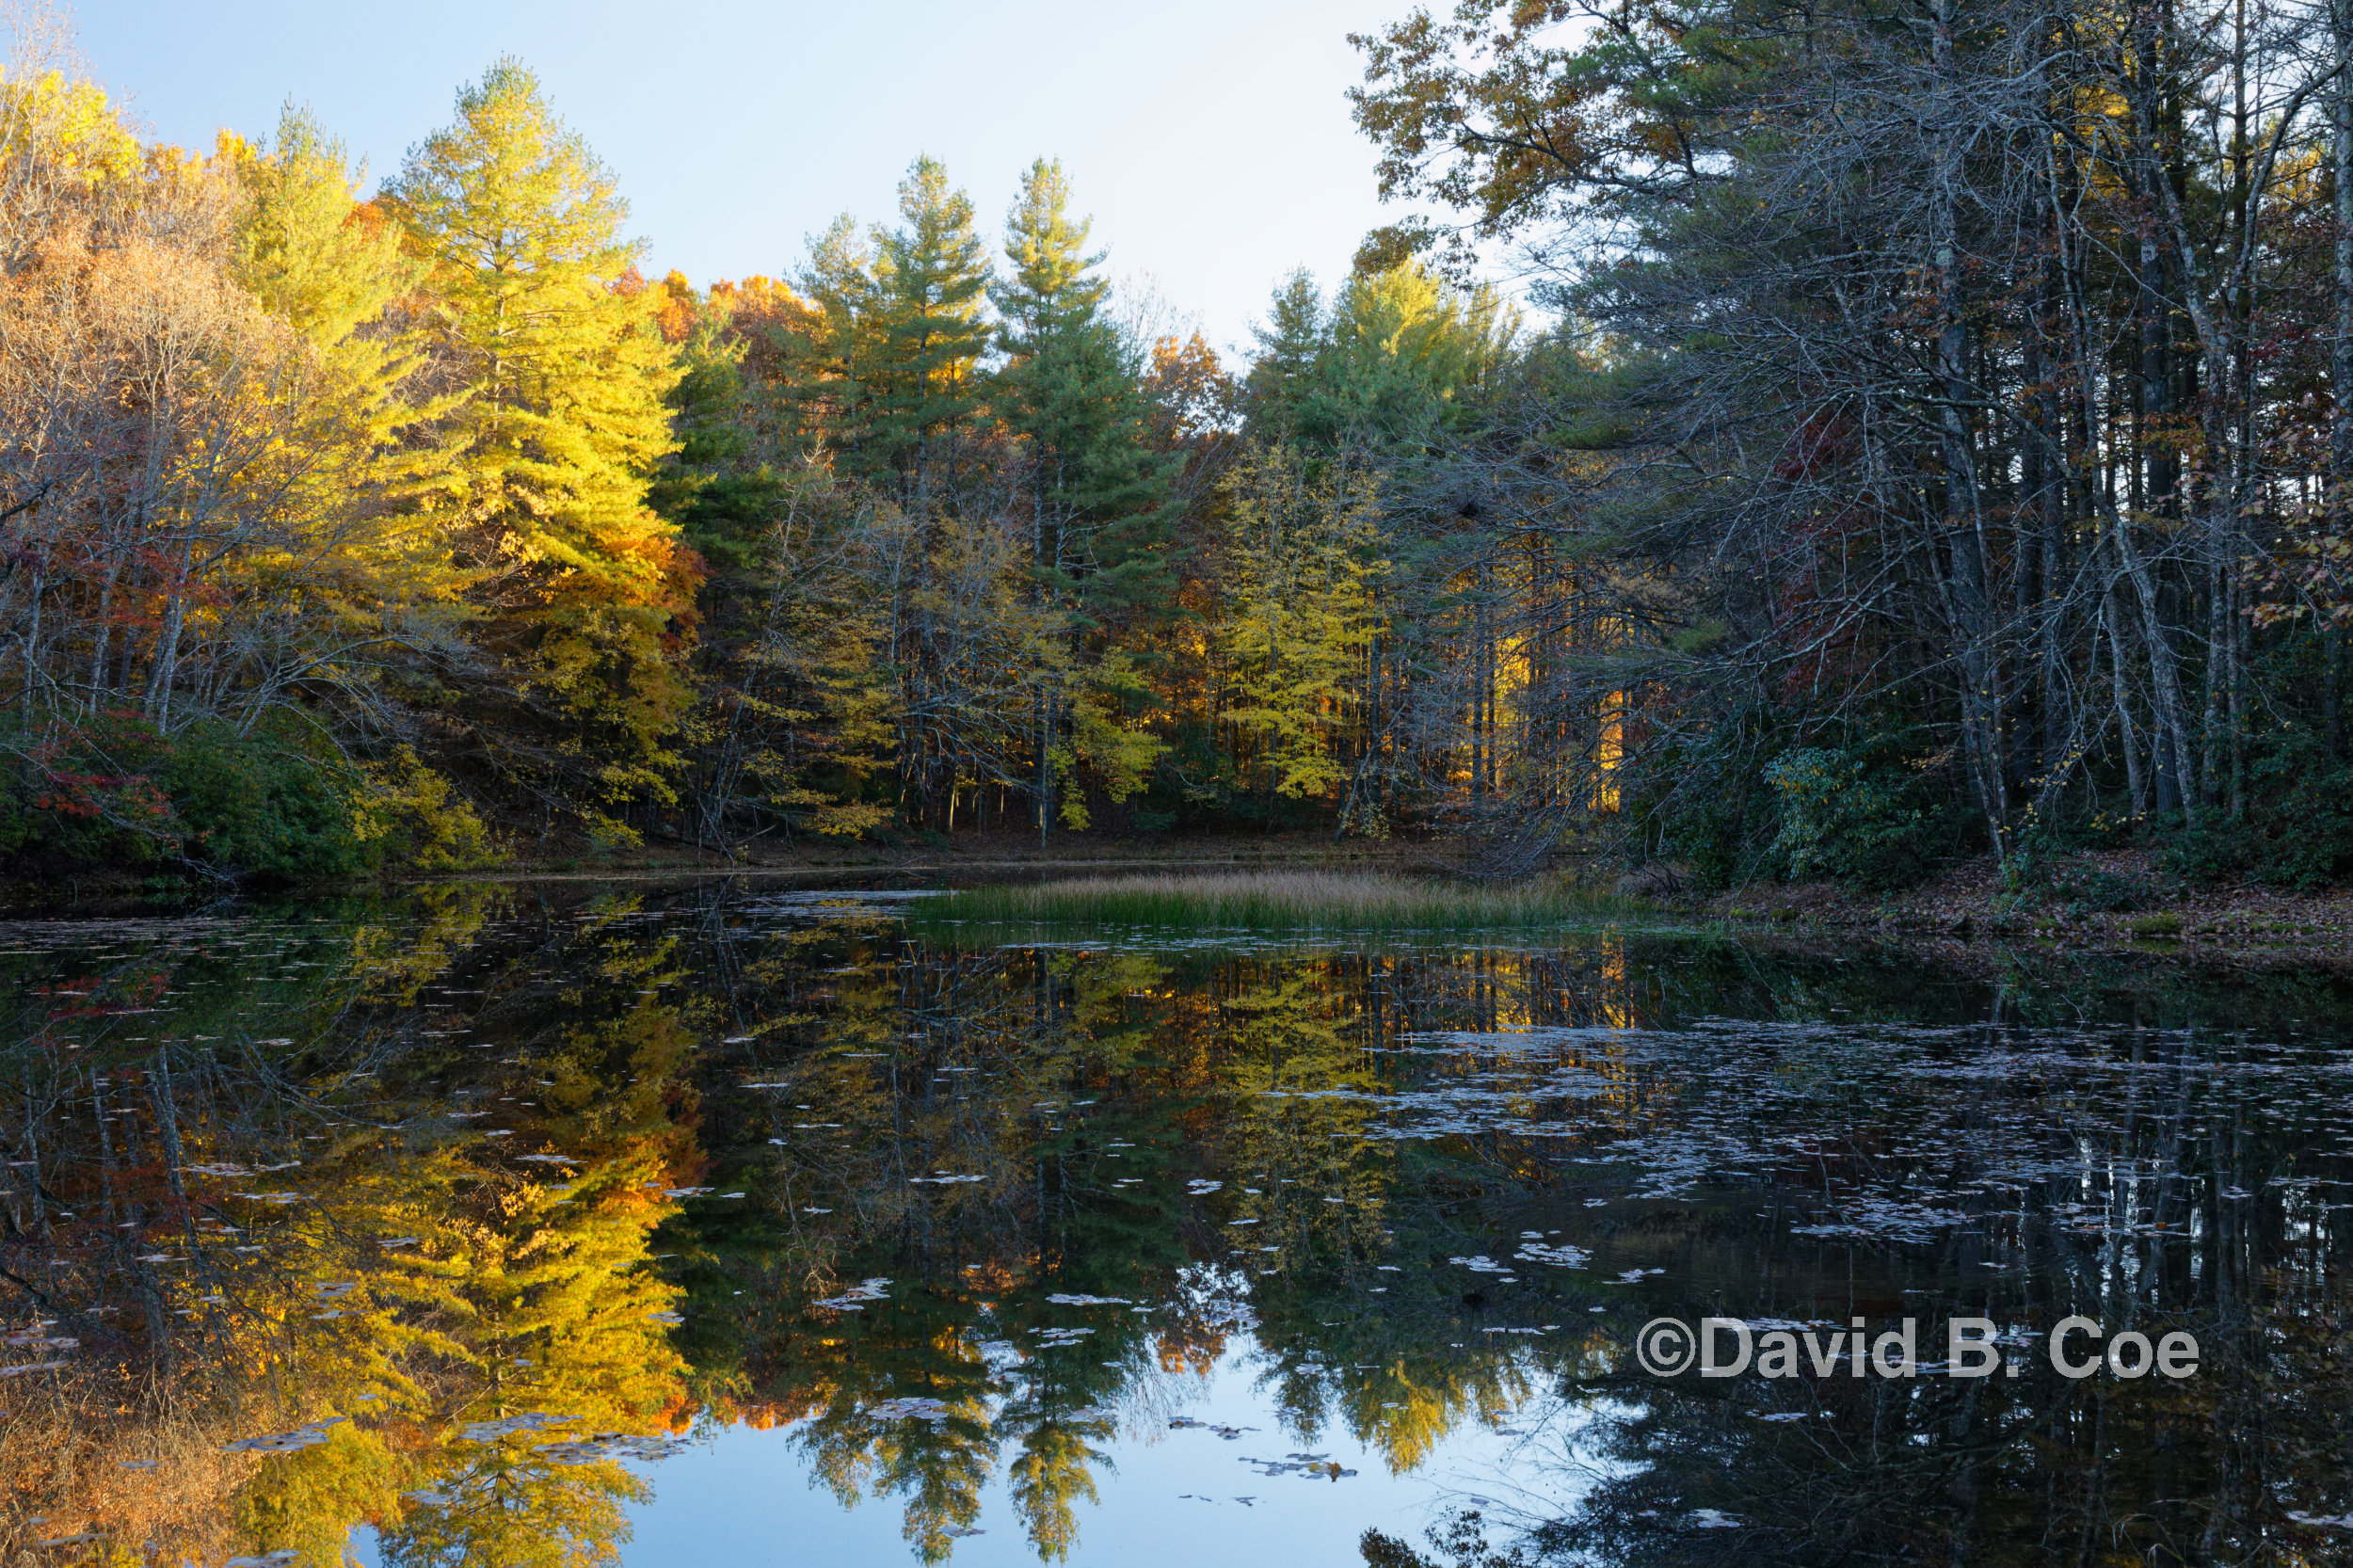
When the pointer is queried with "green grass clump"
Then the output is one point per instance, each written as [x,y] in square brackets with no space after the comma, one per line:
[1283,901]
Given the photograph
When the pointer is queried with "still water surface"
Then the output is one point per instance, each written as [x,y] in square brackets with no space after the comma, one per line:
[552,1225]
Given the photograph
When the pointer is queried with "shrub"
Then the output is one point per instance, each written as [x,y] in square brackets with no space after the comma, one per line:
[277,802]
[2297,828]
[1718,815]
[88,795]
[280,804]
[2036,875]
[1851,818]
[423,821]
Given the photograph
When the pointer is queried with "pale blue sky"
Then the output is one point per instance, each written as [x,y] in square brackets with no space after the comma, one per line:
[1209,139]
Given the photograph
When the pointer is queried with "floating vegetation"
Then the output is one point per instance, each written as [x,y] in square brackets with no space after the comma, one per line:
[1312,1466]
[1184,1423]
[857,1296]
[912,1408]
[1480,1264]
[509,1426]
[609,1446]
[303,1438]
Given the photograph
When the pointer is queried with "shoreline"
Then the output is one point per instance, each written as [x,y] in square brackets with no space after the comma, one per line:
[1965,910]
[1961,918]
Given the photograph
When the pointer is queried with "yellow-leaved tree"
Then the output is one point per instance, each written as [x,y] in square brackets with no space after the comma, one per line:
[543,324]
[1302,553]
[378,586]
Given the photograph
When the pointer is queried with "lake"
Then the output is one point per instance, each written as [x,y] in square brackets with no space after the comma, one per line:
[567,1223]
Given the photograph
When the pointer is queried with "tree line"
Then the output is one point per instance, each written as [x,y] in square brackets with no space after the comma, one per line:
[343,526]
[1960,438]
[1924,443]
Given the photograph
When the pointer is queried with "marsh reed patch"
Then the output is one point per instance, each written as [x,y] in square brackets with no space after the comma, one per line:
[1283,901]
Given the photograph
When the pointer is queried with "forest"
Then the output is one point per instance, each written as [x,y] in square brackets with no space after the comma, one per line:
[1812,442]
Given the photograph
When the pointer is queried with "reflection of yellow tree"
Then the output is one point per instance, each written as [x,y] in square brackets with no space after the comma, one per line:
[941,1471]
[333,1323]
[511,1301]
[562,1318]
[556,1309]
[1431,1398]
[396,1283]
[1303,1093]
[504,1509]
[517,1296]
[394,965]
[1048,1475]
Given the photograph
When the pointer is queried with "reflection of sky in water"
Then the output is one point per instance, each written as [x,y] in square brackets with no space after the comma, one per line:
[746,1496]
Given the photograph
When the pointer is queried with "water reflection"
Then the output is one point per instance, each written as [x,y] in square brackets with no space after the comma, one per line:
[449,1218]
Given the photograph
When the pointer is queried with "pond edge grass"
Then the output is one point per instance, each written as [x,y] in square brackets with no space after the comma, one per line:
[1289,900]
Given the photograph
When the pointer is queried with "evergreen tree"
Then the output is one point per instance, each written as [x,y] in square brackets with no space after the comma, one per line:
[1388,363]
[923,385]
[1052,289]
[1405,347]
[1098,492]
[565,420]
[1071,390]
[717,486]
[825,357]
[1291,346]
[302,247]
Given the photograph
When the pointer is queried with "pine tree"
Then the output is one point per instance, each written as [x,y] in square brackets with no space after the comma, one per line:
[1407,347]
[1052,289]
[302,245]
[566,420]
[1099,492]
[1386,364]
[923,385]
[1071,390]
[1291,346]
[826,354]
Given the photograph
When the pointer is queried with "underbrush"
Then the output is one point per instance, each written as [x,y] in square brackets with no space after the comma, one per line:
[1283,901]
[209,803]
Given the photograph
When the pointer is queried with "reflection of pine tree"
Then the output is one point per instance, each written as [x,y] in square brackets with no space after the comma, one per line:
[918,1344]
